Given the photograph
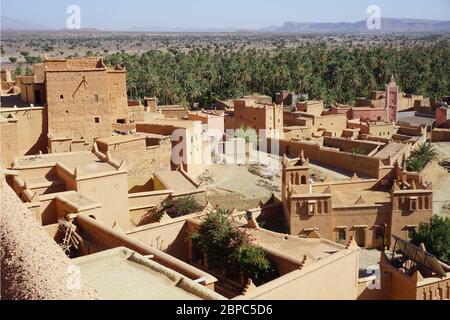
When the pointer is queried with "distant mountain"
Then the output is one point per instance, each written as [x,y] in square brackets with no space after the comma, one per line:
[388,25]
[15,24]
[175,29]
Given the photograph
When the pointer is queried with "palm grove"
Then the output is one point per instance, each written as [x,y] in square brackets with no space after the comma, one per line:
[335,75]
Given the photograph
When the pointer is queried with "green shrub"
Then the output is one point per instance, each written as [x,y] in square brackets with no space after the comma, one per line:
[358,151]
[252,261]
[181,207]
[435,235]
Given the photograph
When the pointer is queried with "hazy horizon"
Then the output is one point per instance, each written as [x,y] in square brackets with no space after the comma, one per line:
[220,14]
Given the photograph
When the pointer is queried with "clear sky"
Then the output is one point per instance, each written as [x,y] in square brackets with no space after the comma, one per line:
[123,14]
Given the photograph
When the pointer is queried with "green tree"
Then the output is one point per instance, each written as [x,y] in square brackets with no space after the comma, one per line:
[435,235]
[214,237]
[228,246]
[181,207]
[252,261]
[13,59]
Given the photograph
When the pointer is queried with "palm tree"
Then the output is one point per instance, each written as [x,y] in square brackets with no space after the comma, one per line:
[425,152]
[415,164]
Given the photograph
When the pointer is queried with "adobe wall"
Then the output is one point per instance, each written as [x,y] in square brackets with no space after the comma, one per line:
[410,131]
[442,116]
[439,289]
[140,159]
[329,219]
[315,281]
[117,89]
[402,216]
[332,123]
[9,143]
[170,238]
[313,107]
[402,287]
[173,113]
[440,135]
[297,132]
[101,237]
[258,117]
[347,145]
[361,165]
[76,101]
[112,192]
[26,136]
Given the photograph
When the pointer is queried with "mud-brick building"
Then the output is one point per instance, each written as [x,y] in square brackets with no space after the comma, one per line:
[370,210]
[83,98]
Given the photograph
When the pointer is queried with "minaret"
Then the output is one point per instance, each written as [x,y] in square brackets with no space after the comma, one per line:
[392,100]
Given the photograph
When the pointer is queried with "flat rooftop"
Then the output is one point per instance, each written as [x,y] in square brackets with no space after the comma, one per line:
[348,197]
[416,120]
[119,139]
[87,162]
[175,180]
[122,274]
[391,149]
[172,122]
[314,249]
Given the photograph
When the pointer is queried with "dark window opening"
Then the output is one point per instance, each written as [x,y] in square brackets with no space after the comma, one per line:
[61,97]
[121,121]
[411,232]
[342,235]
[97,120]
[379,234]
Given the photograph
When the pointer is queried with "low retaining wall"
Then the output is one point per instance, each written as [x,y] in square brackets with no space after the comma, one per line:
[440,135]
[362,165]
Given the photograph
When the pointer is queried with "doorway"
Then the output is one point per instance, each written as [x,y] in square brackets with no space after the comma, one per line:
[37,97]
[360,237]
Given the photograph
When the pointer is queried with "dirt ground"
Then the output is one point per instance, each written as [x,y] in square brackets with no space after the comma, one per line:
[441,181]
[234,186]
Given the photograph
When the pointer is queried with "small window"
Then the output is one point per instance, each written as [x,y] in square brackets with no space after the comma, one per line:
[95,97]
[97,120]
[413,204]
[342,235]
[254,118]
[411,232]
[61,97]
[379,234]
[121,121]
[312,208]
